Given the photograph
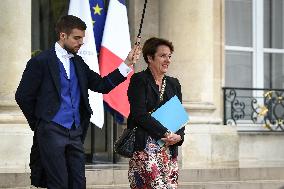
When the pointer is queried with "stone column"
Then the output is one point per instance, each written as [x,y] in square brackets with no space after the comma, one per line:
[195,28]
[15,50]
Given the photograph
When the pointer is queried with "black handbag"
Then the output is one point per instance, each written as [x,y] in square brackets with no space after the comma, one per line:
[124,146]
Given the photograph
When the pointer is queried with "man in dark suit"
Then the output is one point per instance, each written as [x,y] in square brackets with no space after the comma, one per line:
[53,95]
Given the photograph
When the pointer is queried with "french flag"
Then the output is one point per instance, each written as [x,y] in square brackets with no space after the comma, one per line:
[114,50]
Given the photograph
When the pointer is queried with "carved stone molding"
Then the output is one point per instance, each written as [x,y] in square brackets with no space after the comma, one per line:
[202,113]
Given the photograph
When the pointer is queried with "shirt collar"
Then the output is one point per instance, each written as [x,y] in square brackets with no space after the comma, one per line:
[61,52]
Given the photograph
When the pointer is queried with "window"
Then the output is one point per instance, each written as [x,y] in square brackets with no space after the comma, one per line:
[254,58]
[273,43]
[254,43]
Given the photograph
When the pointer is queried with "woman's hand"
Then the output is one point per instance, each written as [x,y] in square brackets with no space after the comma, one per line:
[134,54]
[171,139]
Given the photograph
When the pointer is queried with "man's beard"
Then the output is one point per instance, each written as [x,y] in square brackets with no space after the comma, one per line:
[69,50]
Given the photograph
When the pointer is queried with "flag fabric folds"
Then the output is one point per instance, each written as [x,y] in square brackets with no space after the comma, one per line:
[98,13]
[114,50]
[81,9]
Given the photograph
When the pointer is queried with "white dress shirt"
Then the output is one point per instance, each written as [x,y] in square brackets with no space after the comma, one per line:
[64,57]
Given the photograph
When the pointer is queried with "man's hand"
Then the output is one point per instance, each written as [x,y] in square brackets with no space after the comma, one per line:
[134,54]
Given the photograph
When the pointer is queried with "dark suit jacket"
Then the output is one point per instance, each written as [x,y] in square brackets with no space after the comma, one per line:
[143,96]
[38,94]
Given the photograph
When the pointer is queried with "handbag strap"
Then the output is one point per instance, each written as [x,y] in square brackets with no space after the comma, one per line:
[161,97]
[162,90]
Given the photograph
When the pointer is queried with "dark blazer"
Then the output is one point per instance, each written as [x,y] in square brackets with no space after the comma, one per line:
[143,96]
[38,94]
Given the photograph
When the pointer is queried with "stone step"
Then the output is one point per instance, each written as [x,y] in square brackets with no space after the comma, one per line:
[256,184]
[118,174]
[115,176]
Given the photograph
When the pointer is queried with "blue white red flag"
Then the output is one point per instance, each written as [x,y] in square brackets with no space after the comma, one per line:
[114,50]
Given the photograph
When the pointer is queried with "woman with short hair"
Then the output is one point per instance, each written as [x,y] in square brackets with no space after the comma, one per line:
[153,166]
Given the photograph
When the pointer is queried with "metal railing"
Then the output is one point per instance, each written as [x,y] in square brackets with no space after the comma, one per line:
[255,107]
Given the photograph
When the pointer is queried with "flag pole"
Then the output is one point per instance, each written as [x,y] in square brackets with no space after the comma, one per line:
[141,23]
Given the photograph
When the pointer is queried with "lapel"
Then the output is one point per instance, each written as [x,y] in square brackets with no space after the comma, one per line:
[54,69]
[169,90]
[55,73]
[152,82]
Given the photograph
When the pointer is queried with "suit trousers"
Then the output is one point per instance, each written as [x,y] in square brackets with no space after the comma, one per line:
[62,155]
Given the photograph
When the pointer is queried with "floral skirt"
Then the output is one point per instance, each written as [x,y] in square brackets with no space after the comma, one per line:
[153,168]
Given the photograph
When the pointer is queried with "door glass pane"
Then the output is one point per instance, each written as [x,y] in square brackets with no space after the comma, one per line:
[45,14]
[238,69]
[274,70]
[239,74]
[238,22]
[273,24]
